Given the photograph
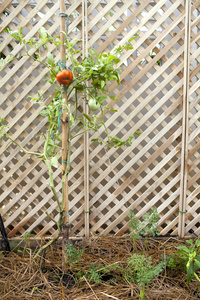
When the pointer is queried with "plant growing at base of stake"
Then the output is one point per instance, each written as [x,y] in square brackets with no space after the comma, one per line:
[88,77]
[72,255]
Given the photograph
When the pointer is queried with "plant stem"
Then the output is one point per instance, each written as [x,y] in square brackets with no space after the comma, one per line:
[26,151]
[196,276]
[143,293]
[40,61]
[53,187]
[145,244]
[76,105]
[46,245]
[68,157]
[52,218]
[80,133]
[133,245]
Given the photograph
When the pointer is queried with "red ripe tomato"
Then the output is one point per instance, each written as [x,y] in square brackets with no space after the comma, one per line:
[64,77]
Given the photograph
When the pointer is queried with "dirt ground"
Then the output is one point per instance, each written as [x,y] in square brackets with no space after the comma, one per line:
[23,278]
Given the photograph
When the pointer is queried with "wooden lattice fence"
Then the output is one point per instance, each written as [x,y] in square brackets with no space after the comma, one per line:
[159,96]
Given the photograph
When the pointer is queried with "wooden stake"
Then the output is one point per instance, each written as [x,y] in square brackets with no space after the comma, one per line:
[184,152]
[65,231]
[86,134]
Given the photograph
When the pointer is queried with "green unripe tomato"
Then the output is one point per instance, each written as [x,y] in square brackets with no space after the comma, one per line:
[93,104]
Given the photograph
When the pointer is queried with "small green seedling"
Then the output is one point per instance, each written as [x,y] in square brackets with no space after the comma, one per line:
[72,255]
[147,227]
[191,258]
[26,239]
[143,272]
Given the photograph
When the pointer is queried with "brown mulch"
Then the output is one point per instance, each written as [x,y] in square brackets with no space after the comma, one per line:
[24,279]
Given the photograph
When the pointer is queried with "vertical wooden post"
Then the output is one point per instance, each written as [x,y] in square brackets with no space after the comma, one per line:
[65,227]
[86,134]
[184,152]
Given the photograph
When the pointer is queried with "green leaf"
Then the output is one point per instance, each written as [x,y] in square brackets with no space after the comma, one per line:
[133,38]
[197,264]
[57,69]
[198,243]
[7,30]
[110,109]
[72,119]
[101,98]
[79,87]
[128,47]
[43,33]
[189,242]
[102,84]
[116,60]
[138,133]
[190,272]
[95,53]
[198,257]
[184,248]
[50,59]
[54,161]
[14,34]
[87,117]
[48,163]
[114,98]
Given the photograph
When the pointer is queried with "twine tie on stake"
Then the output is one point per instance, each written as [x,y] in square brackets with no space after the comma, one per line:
[64,15]
[66,216]
[66,162]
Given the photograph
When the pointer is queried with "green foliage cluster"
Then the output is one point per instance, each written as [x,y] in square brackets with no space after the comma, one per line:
[143,269]
[91,77]
[95,274]
[187,258]
[72,255]
[145,228]
[137,269]
[3,128]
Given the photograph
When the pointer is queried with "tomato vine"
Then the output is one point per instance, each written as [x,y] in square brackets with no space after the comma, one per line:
[87,80]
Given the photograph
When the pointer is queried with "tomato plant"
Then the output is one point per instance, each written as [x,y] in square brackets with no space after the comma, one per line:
[88,79]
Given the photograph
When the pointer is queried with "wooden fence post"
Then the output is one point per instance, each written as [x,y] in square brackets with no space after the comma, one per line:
[184,151]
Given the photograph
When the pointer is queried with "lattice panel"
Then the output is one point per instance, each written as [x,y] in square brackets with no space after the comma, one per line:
[147,173]
[25,195]
[193,192]
[143,175]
